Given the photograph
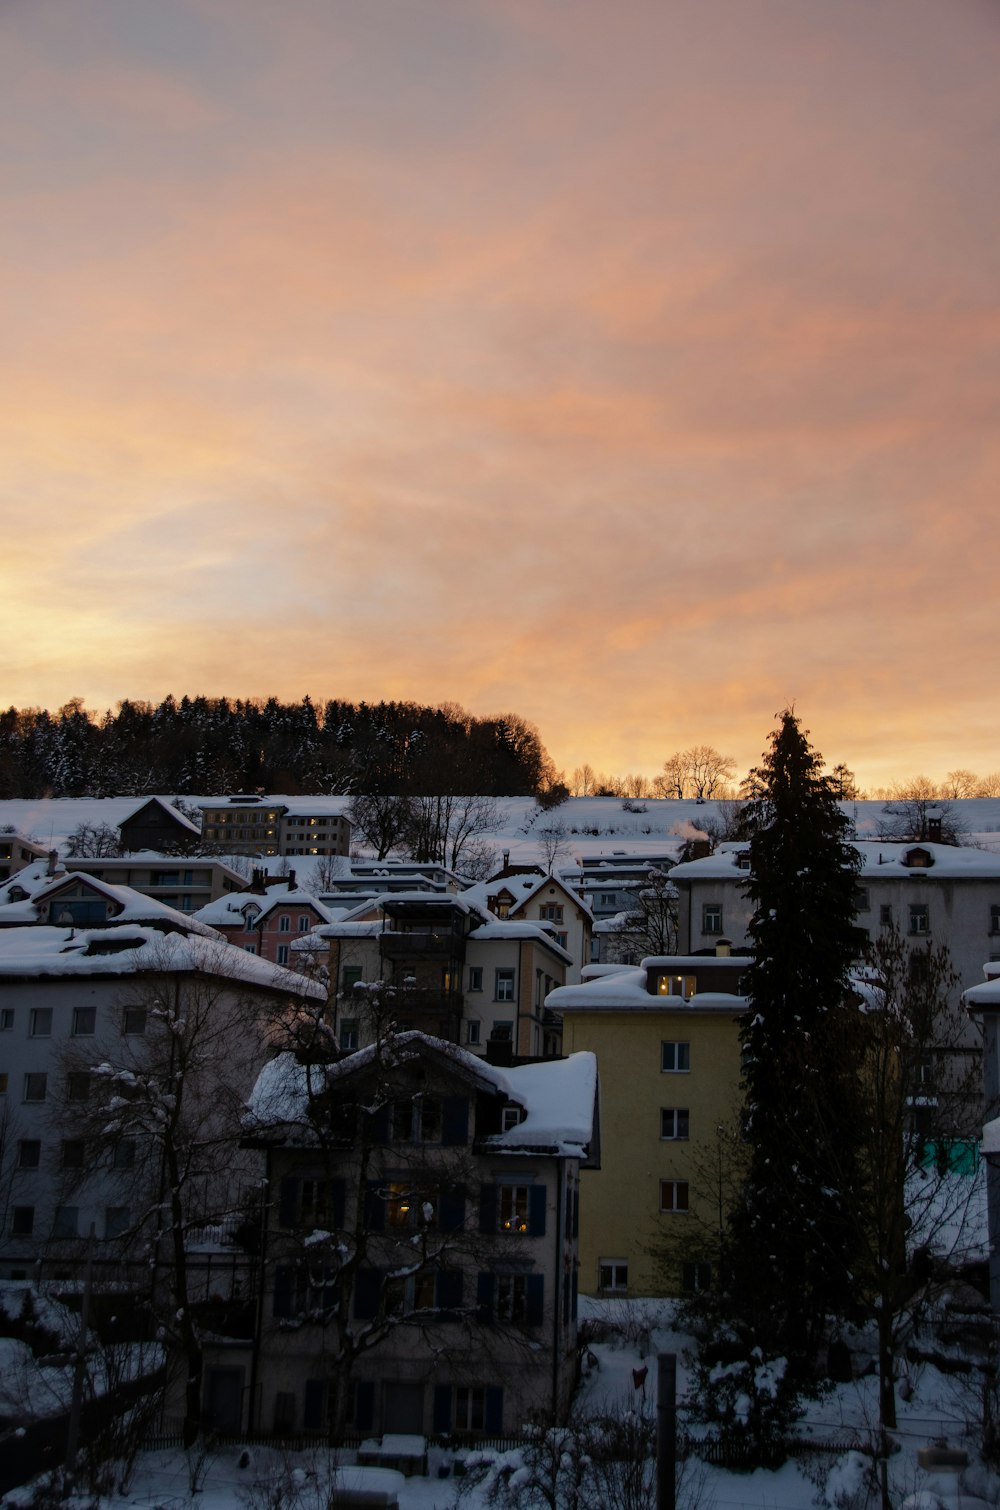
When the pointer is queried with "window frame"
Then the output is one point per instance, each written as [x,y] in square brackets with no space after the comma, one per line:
[680,1121]
[681,1055]
[679,1203]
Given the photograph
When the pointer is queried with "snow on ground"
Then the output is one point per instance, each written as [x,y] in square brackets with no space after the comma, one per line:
[941,1407]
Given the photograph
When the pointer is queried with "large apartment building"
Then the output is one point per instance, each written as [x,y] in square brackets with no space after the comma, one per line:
[253,825]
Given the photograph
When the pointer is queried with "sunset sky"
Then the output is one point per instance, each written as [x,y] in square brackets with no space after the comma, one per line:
[633,366]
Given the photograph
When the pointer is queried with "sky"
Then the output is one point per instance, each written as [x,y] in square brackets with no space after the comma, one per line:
[634,367]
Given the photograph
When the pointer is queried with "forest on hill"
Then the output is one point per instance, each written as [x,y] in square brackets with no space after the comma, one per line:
[219,744]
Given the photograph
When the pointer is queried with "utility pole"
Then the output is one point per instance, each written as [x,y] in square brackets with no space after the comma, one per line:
[666,1431]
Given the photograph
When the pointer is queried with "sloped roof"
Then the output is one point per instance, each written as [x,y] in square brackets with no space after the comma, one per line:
[173,813]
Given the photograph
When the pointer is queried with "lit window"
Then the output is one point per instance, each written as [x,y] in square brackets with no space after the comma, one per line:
[513,1208]
[676,985]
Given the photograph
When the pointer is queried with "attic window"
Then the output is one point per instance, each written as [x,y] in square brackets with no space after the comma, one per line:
[511,1117]
[743,860]
[113,946]
[918,859]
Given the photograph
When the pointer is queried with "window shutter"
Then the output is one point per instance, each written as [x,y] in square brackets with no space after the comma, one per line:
[284,1282]
[536,1299]
[493,1414]
[451,1210]
[455,1120]
[449,1289]
[536,1211]
[288,1203]
[374,1207]
[442,1409]
[314,1411]
[487,1208]
[485,1287]
[364,1405]
[367,1289]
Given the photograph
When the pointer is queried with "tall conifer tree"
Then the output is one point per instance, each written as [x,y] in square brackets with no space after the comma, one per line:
[791,1254]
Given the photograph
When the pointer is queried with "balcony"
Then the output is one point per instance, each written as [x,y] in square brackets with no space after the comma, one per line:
[446,944]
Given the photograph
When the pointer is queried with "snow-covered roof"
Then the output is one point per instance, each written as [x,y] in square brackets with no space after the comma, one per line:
[31,878]
[134,906]
[502,928]
[879,857]
[983,998]
[229,911]
[45,952]
[522,888]
[625,990]
[172,812]
[558,1096]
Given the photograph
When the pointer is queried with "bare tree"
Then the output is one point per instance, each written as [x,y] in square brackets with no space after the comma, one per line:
[583,781]
[917,811]
[700,772]
[381,819]
[553,841]
[442,828]
[98,841]
[650,925]
[961,783]
[160,1122]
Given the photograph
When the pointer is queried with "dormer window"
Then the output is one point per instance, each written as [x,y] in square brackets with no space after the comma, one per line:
[918,859]
[676,985]
[511,1117]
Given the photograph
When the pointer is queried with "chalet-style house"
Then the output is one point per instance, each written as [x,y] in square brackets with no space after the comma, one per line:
[420,1253]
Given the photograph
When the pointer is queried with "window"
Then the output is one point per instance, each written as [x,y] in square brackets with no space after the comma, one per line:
[66,1222]
[994,927]
[472,1028]
[561,940]
[550,912]
[84,1021]
[612,1274]
[475,977]
[696,1277]
[470,1407]
[512,1297]
[123,1154]
[675,1058]
[35,1087]
[29,1153]
[74,1152]
[282,954]
[504,985]
[862,901]
[920,922]
[885,915]
[134,1021]
[115,1222]
[502,1032]
[673,1195]
[510,1117]
[349,1033]
[711,917]
[40,1022]
[676,985]
[303,923]
[513,1204]
[608,898]
[284,923]
[77,1085]
[674,1122]
[7,1020]
[417,1121]
[3,1084]
[399,1206]
[22,1222]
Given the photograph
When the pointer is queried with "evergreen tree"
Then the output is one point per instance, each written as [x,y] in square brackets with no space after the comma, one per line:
[792,1230]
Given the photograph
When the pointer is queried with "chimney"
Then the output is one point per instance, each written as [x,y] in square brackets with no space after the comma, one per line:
[291,880]
[506,858]
[53,861]
[723,949]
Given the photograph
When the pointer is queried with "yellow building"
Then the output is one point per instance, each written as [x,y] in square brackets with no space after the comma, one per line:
[666,1036]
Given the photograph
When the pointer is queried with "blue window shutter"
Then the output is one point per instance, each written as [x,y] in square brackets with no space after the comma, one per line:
[455,1120]
[493,1414]
[449,1289]
[451,1210]
[284,1282]
[485,1288]
[337,1192]
[442,1409]
[536,1299]
[536,1211]
[314,1411]
[288,1203]
[374,1207]
[487,1208]
[364,1404]
[367,1290]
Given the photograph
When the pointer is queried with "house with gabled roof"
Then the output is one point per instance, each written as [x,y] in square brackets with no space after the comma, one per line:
[267,922]
[526,894]
[419,1255]
[157,825]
